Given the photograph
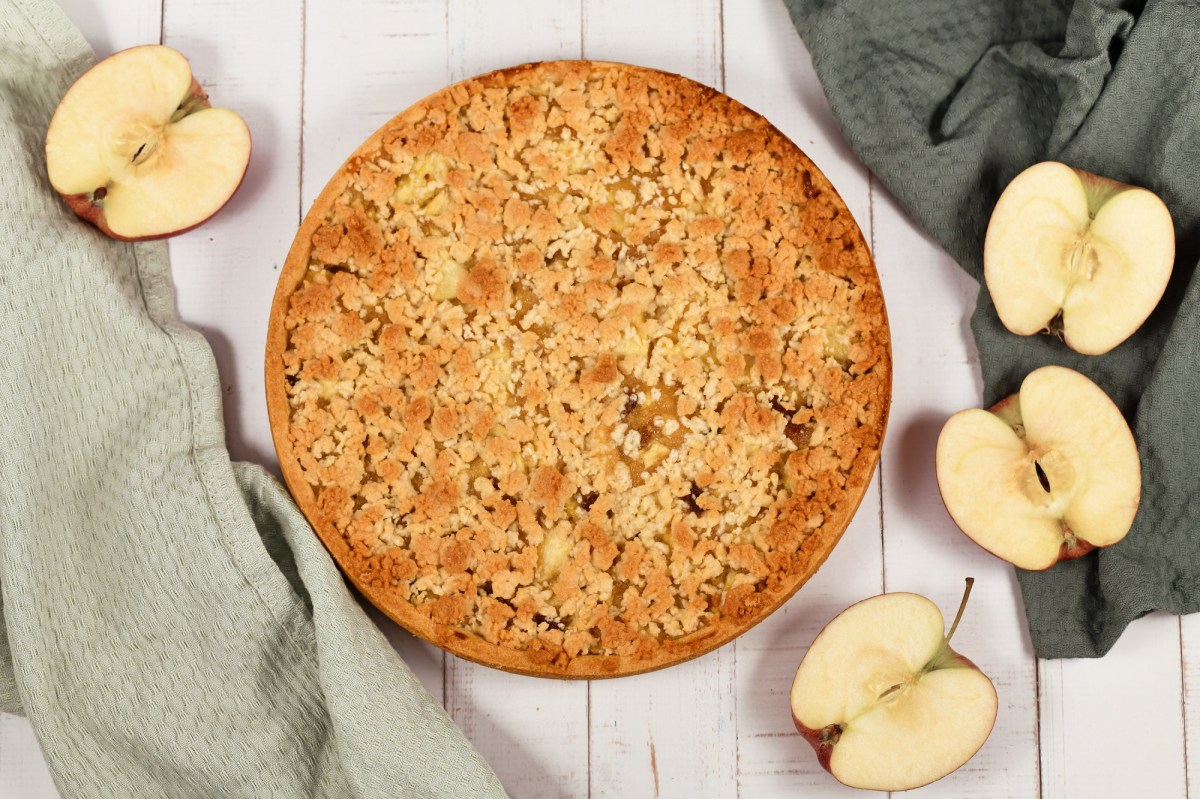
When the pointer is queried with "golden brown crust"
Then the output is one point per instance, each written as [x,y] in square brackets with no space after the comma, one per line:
[578,369]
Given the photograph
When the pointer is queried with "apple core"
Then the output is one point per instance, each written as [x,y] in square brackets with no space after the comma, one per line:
[1046,475]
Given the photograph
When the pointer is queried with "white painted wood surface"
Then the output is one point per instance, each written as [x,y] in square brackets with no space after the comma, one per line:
[315,77]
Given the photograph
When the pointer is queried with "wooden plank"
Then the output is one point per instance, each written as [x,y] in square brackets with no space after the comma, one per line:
[1113,726]
[672,733]
[427,662]
[768,69]
[681,36]
[534,733]
[225,270]
[23,771]
[667,733]
[1189,634]
[120,24]
[772,759]
[530,729]
[352,84]
[116,26]
[929,299]
[488,35]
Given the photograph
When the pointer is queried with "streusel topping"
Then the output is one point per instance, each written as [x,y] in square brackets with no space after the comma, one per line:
[582,357]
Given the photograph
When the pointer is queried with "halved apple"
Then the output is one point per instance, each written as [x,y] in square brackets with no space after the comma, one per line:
[884,700]
[1078,255]
[135,148]
[1047,475]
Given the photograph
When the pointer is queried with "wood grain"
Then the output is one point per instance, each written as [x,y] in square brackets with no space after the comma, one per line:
[316,78]
[668,733]
[610,34]
[23,771]
[1189,656]
[924,552]
[364,62]
[117,24]
[487,35]
[772,759]
[768,68]
[1112,726]
[533,732]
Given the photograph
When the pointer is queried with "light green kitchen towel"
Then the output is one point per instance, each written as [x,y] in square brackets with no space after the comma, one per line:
[946,101]
[171,625]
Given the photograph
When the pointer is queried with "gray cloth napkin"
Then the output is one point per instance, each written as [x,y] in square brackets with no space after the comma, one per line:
[946,101]
[171,626]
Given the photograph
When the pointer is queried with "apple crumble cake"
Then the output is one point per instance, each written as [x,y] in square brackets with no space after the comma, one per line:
[578,369]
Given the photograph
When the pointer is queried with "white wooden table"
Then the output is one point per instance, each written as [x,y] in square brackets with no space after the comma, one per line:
[314,79]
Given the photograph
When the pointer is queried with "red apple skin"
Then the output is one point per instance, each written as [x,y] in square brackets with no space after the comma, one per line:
[83,206]
[1094,186]
[1093,182]
[1080,549]
[823,748]
[1004,405]
[86,209]
[198,94]
[963,662]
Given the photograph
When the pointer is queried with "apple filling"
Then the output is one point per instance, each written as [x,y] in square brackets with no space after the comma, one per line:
[561,387]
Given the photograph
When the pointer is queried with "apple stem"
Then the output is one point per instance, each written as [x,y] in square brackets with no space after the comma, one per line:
[1055,327]
[961,607]
[197,100]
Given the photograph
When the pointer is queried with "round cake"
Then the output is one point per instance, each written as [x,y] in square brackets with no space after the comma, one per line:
[578,369]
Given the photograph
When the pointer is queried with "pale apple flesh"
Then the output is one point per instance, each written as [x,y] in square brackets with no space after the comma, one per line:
[884,700]
[1047,475]
[1077,254]
[135,148]
[1008,410]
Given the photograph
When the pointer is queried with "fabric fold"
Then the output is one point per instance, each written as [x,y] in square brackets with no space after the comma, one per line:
[946,102]
[173,628]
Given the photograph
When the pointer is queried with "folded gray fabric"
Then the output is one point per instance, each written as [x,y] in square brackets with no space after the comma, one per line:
[946,101]
[172,627]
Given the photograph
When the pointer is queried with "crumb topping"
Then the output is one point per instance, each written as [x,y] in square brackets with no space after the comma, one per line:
[583,356]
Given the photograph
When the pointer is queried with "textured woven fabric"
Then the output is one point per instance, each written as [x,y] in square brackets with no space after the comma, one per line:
[946,101]
[172,627]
